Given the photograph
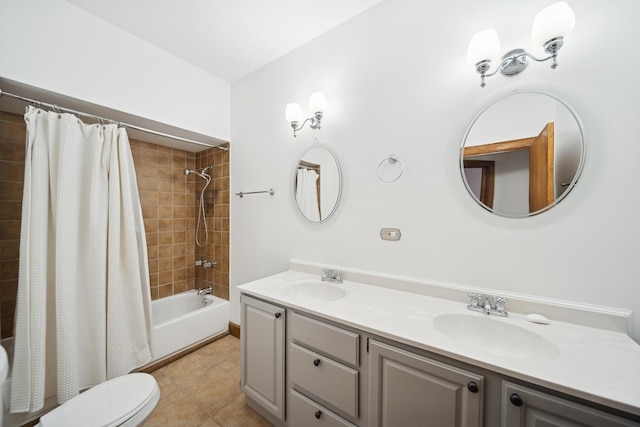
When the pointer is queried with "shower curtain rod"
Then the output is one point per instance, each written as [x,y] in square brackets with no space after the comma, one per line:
[56,108]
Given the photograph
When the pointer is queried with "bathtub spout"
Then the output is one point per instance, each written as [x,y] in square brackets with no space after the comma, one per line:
[205,291]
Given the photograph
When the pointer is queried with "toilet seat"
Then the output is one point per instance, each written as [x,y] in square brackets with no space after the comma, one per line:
[125,400]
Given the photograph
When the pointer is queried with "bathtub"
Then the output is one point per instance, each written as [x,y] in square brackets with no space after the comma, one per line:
[182,320]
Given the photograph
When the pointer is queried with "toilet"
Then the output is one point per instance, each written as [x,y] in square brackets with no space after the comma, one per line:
[125,401]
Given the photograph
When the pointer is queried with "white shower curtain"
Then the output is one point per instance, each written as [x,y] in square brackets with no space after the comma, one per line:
[83,309]
[307,193]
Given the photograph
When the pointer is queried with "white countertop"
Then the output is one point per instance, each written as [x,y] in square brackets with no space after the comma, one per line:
[595,364]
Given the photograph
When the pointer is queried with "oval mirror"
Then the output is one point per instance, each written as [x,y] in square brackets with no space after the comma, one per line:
[522,154]
[317,184]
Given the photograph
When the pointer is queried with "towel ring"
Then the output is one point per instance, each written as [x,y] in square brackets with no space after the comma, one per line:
[392,159]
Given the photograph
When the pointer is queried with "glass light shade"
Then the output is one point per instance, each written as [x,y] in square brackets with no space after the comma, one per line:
[553,21]
[293,113]
[484,45]
[317,102]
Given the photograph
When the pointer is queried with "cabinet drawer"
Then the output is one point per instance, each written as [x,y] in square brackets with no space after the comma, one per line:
[324,338]
[335,384]
[306,412]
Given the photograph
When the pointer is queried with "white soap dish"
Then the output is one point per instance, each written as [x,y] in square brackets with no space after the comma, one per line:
[537,318]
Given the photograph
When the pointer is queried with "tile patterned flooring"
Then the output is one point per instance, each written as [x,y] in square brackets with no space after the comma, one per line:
[202,390]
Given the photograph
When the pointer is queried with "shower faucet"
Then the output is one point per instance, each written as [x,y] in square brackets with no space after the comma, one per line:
[202,173]
[206,264]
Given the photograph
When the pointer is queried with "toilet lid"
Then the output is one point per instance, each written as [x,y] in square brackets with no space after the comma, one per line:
[108,404]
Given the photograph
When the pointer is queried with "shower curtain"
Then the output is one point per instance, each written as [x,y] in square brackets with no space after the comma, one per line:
[83,309]
[307,193]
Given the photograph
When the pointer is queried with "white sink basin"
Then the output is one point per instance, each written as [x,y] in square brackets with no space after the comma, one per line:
[495,336]
[314,290]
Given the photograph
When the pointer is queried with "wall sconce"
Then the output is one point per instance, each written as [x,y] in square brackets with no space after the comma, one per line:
[317,104]
[550,26]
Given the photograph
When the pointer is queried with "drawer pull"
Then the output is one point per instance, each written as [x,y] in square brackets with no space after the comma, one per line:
[318,414]
[516,400]
[316,362]
[473,387]
[278,315]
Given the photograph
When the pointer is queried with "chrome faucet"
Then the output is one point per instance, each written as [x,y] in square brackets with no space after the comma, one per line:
[333,276]
[205,263]
[487,306]
[205,291]
[477,304]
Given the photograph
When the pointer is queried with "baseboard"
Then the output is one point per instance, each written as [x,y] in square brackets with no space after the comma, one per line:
[154,366]
[234,330]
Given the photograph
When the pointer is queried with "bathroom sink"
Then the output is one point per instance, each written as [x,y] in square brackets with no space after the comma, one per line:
[314,290]
[495,336]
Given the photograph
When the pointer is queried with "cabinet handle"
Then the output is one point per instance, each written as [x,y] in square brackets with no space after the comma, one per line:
[316,362]
[278,315]
[516,400]
[318,414]
[473,387]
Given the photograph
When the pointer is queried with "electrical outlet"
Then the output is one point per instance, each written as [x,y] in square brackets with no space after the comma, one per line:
[390,234]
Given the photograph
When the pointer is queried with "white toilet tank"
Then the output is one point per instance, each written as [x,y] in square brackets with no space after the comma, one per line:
[123,401]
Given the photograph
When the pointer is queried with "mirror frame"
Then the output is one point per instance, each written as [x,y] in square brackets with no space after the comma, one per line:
[506,94]
[317,144]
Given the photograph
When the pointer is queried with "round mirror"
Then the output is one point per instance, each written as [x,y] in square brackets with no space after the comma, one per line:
[522,154]
[317,184]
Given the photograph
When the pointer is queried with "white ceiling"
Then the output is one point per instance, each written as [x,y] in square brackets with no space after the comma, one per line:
[226,38]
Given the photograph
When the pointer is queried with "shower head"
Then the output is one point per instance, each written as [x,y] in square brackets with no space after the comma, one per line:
[201,174]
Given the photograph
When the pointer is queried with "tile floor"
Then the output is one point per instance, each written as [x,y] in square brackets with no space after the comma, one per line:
[202,390]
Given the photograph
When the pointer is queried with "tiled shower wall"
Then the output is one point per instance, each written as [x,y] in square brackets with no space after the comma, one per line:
[169,205]
[167,208]
[12,138]
[216,201]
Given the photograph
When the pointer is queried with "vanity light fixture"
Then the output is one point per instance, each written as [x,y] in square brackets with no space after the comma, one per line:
[550,26]
[317,104]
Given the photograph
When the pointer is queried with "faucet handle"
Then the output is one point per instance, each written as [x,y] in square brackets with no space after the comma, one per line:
[499,303]
[475,298]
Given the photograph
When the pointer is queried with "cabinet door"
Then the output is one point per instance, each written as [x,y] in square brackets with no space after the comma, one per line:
[406,389]
[522,406]
[262,354]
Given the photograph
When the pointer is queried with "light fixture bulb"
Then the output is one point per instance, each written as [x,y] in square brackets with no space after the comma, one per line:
[293,112]
[551,22]
[482,46]
[317,102]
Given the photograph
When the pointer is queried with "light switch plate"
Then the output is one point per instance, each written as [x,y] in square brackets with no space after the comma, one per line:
[390,234]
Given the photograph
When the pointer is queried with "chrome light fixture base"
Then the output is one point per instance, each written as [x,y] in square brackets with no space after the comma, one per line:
[514,62]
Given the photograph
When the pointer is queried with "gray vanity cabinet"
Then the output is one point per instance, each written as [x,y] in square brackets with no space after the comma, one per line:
[524,407]
[406,389]
[338,376]
[262,354]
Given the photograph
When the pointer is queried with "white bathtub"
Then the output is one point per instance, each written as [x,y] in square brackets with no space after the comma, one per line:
[182,320]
